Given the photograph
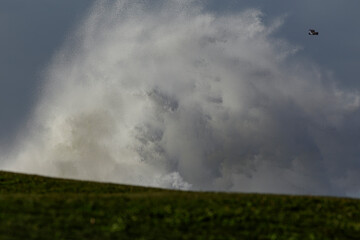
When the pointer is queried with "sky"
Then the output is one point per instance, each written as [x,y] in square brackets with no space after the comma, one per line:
[31,32]
[313,88]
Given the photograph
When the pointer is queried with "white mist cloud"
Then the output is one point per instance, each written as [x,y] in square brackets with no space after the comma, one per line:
[175,97]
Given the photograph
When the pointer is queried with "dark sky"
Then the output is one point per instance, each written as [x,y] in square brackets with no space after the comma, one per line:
[31,31]
[336,48]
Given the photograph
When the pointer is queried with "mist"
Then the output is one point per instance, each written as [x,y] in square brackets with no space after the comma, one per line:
[170,95]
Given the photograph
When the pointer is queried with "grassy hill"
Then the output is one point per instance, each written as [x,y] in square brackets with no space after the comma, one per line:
[34,207]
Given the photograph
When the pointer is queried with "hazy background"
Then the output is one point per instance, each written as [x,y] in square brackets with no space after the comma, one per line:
[32,33]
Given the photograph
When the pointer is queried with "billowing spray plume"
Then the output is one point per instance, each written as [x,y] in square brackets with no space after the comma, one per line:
[169,95]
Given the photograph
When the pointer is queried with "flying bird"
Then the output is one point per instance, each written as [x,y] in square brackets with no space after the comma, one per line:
[313,32]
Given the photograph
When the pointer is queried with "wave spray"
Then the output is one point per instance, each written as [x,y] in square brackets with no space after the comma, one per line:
[173,96]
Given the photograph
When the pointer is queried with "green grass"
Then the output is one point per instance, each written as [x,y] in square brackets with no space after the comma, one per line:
[34,207]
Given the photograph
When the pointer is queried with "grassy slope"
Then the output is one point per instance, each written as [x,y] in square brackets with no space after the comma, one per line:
[33,207]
